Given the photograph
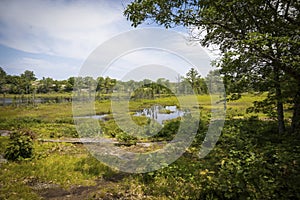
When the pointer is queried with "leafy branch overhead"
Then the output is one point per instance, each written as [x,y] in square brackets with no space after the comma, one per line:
[259,42]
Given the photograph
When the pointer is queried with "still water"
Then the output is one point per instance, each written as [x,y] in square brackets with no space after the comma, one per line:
[157,113]
[160,113]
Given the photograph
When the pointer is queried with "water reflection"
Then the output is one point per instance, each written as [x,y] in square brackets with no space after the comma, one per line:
[157,113]
[160,114]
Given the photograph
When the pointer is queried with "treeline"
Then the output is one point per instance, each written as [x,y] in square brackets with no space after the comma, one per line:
[27,83]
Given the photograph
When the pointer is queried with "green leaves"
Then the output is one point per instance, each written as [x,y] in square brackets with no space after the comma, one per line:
[259,40]
[20,146]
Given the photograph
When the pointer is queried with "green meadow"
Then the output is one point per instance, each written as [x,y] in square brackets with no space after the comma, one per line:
[249,160]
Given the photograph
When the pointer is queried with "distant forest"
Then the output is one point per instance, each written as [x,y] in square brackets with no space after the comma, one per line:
[27,83]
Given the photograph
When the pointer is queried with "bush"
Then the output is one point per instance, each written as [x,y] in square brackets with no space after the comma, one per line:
[20,146]
[127,139]
[18,123]
[169,130]
[246,163]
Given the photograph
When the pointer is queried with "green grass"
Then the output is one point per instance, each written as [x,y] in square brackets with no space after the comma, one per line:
[46,112]
[249,160]
[56,120]
[60,164]
[4,142]
[48,95]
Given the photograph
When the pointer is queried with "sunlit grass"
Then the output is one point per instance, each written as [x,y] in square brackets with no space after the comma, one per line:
[47,111]
[61,164]
[69,165]
[56,119]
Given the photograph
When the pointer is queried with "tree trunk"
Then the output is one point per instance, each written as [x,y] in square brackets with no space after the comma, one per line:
[280,117]
[278,97]
[296,113]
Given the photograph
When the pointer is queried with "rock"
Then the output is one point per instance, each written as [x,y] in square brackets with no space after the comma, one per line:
[2,159]
[4,133]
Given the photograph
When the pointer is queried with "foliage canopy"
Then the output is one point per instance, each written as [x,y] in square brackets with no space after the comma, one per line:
[259,41]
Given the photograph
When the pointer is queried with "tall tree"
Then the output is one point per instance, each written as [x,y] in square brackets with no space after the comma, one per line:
[27,78]
[100,85]
[192,76]
[259,40]
[197,83]
[28,75]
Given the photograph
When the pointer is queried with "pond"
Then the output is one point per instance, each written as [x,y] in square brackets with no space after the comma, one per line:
[157,113]
[160,113]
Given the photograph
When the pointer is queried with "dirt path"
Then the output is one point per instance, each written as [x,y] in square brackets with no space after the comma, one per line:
[101,190]
[81,140]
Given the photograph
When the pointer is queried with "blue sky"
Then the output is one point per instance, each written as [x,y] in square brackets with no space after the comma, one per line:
[54,38]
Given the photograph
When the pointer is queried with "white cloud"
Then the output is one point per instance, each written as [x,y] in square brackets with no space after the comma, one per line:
[146,47]
[157,63]
[63,33]
[67,29]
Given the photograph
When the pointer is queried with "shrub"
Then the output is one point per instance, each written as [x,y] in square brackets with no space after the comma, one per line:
[20,146]
[127,139]
[169,130]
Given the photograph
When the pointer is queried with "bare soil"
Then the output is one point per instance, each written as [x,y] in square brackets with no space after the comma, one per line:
[101,190]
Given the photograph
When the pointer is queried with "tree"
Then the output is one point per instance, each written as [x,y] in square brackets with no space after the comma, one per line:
[45,85]
[90,85]
[197,83]
[259,40]
[70,84]
[130,86]
[14,82]
[2,80]
[192,77]
[109,85]
[27,77]
[100,85]
[212,85]
[162,86]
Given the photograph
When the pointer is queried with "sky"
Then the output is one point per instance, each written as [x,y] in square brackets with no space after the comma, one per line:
[56,38]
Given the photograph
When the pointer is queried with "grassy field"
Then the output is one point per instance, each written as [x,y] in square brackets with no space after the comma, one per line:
[56,120]
[249,161]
